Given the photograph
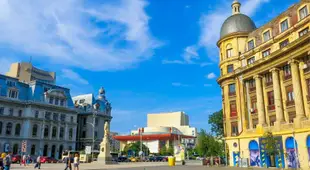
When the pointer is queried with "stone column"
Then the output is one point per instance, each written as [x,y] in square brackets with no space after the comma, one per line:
[299,106]
[248,98]
[260,103]
[243,110]
[304,87]
[277,97]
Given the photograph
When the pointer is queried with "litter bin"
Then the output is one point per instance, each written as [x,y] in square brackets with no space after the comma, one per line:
[171,161]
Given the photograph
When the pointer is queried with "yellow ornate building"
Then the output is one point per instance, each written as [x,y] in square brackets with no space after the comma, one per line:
[265,81]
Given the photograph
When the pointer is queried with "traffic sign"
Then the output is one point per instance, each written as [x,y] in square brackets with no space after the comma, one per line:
[88,149]
[24,146]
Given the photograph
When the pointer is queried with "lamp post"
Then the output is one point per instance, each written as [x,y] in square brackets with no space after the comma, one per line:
[93,124]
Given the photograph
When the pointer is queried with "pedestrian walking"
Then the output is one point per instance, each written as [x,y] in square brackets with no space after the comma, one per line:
[7,161]
[68,161]
[2,156]
[24,160]
[28,159]
[76,161]
[38,164]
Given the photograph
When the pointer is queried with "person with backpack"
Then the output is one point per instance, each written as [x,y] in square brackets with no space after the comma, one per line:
[7,161]
[38,164]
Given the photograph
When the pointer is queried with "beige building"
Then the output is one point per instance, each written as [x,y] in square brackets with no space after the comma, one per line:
[26,72]
[163,129]
[265,81]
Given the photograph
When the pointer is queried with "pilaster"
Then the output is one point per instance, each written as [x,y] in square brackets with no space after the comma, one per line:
[304,87]
[277,98]
[284,97]
[238,104]
[227,110]
[248,98]
[299,106]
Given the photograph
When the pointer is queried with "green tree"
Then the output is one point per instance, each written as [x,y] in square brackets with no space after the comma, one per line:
[271,147]
[136,148]
[208,145]
[216,122]
[163,151]
[170,151]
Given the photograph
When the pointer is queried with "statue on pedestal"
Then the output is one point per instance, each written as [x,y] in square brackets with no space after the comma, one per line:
[105,157]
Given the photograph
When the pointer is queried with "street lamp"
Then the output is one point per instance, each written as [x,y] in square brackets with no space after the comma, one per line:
[93,124]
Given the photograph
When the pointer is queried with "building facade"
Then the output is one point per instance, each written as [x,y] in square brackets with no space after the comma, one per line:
[265,81]
[26,72]
[92,115]
[39,113]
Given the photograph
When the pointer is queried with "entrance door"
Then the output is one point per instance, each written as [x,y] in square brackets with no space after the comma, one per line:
[53,151]
[45,150]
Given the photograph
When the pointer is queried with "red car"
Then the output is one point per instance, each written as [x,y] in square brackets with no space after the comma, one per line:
[16,159]
[46,159]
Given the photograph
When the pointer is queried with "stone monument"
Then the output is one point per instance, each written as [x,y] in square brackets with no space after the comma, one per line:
[104,156]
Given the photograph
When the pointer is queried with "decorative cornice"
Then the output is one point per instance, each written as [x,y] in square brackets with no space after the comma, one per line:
[257,77]
[274,70]
[293,61]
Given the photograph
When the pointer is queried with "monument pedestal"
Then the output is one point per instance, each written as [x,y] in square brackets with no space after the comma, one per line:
[104,156]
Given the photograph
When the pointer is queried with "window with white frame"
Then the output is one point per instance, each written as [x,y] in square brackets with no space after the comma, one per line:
[304,32]
[251,45]
[1,110]
[284,25]
[13,93]
[51,100]
[266,35]
[251,60]
[266,53]
[11,111]
[229,53]
[303,12]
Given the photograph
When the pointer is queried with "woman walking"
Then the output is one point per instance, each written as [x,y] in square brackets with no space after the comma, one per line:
[76,161]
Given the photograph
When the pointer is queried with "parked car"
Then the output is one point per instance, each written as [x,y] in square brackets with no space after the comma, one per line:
[152,159]
[123,159]
[46,159]
[16,159]
[134,159]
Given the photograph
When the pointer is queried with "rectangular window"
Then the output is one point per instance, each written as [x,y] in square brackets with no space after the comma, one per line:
[253,105]
[303,12]
[290,95]
[20,113]
[270,96]
[13,94]
[251,60]
[51,100]
[266,53]
[11,111]
[234,129]
[284,25]
[268,77]
[229,53]
[266,36]
[252,85]
[232,89]
[55,116]
[56,101]
[62,102]
[284,43]
[1,110]
[63,117]
[72,119]
[304,32]
[233,109]
[287,72]
[230,68]
[48,115]
[36,114]
[251,45]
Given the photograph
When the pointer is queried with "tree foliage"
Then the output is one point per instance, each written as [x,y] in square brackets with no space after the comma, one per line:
[135,147]
[216,122]
[271,147]
[208,145]
[164,151]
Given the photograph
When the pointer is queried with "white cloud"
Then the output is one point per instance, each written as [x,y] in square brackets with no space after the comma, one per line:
[71,75]
[211,24]
[210,76]
[189,56]
[67,32]
[177,84]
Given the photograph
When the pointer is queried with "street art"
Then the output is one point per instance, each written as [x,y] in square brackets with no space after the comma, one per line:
[254,158]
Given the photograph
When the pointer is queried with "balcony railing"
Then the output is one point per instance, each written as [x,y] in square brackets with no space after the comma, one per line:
[288,76]
[271,107]
[252,89]
[232,93]
[290,103]
[269,83]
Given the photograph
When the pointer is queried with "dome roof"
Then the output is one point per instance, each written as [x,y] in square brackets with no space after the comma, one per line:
[237,23]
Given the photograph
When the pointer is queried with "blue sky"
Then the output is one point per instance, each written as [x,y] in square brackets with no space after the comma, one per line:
[150,55]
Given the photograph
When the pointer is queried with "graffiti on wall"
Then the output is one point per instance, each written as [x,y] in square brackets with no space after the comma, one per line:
[255,158]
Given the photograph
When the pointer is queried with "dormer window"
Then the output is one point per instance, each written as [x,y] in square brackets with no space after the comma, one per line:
[284,25]
[13,93]
[303,12]
[251,44]
[266,36]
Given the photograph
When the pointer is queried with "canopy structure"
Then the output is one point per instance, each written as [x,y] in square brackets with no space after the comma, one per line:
[150,137]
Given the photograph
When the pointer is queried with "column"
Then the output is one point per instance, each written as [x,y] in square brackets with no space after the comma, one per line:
[248,98]
[243,110]
[277,96]
[304,87]
[238,104]
[227,110]
[299,106]
[260,104]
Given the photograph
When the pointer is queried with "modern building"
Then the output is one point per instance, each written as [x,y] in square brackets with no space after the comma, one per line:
[26,72]
[163,129]
[265,81]
[92,115]
[39,113]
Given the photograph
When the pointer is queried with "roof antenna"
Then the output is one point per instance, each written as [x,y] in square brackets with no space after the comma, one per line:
[30,59]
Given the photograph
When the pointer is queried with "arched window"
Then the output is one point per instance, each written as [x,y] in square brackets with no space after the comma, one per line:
[15,149]
[46,131]
[54,132]
[254,154]
[229,51]
[8,128]
[17,129]
[61,133]
[0,128]
[70,133]
[34,130]
[33,150]
[291,149]
[45,150]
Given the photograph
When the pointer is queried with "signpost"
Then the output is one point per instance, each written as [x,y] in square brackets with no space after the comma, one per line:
[88,150]
[24,146]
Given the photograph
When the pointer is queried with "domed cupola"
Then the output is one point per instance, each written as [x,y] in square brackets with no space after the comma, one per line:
[237,22]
